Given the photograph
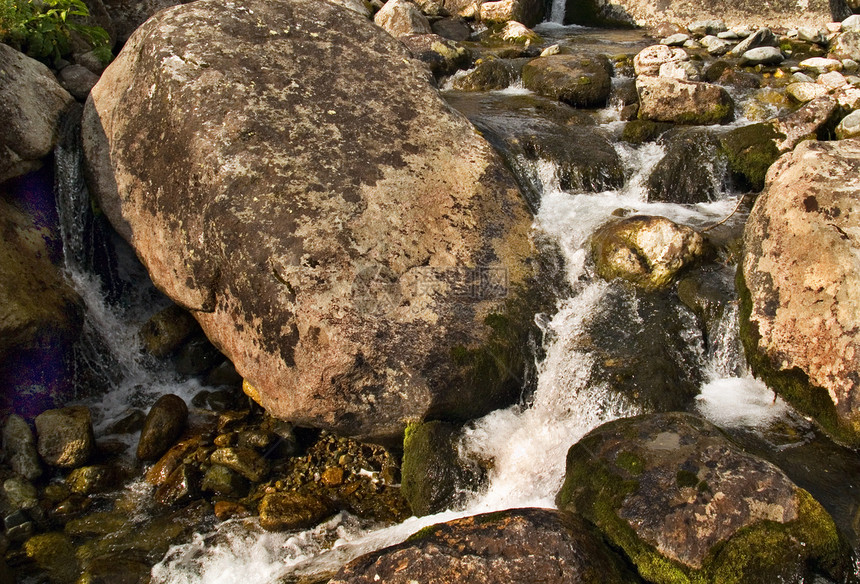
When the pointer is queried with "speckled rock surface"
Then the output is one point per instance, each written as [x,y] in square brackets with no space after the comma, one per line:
[647,251]
[687,505]
[31,102]
[338,231]
[662,99]
[802,272]
[518,546]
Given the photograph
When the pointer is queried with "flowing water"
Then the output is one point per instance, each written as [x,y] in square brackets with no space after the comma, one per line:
[527,442]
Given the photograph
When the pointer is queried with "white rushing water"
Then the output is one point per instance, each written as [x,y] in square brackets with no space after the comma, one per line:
[527,442]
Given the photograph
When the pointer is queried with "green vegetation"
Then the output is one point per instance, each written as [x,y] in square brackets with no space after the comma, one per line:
[43,29]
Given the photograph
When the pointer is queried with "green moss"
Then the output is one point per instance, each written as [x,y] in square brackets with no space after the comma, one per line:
[718,114]
[769,551]
[423,533]
[631,462]
[793,385]
[641,131]
[685,479]
[751,150]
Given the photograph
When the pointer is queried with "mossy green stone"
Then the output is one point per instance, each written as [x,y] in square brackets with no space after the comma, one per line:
[751,150]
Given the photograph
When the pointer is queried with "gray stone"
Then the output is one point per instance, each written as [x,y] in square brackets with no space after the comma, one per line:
[676,40]
[454,29]
[20,447]
[20,493]
[399,17]
[763,37]
[31,103]
[716,46]
[686,70]
[77,80]
[707,27]
[851,24]
[810,34]
[762,56]
[849,127]
[442,56]
[65,436]
[846,46]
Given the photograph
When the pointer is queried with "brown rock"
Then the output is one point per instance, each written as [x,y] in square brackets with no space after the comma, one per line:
[163,425]
[285,511]
[65,436]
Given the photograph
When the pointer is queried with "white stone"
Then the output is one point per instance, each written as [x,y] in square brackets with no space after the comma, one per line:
[821,65]
[686,70]
[833,27]
[849,127]
[810,34]
[550,50]
[716,46]
[832,80]
[804,92]
[851,24]
[649,59]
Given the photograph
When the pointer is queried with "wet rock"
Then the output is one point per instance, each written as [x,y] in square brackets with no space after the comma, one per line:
[197,357]
[31,102]
[762,56]
[18,525]
[442,56]
[20,447]
[224,374]
[646,251]
[77,80]
[820,65]
[649,60]
[55,554]
[181,487]
[528,12]
[128,424]
[97,524]
[286,511]
[849,127]
[683,102]
[804,91]
[223,481]
[65,436]
[578,80]
[690,172]
[88,480]
[20,493]
[40,314]
[115,569]
[813,366]
[491,74]
[519,545]
[432,472]
[167,330]
[399,17]
[164,423]
[454,29]
[752,149]
[306,304]
[763,37]
[641,131]
[716,46]
[846,46]
[225,510]
[244,461]
[707,293]
[171,460]
[685,504]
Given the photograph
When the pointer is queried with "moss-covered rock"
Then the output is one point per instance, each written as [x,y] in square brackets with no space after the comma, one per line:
[433,474]
[692,170]
[491,73]
[285,511]
[166,331]
[663,99]
[55,554]
[65,436]
[641,131]
[646,251]
[751,150]
[686,505]
[579,80]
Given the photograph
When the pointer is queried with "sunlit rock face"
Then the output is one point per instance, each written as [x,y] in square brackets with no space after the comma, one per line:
[287,173]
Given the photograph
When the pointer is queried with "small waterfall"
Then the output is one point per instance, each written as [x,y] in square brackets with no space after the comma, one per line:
[557,10]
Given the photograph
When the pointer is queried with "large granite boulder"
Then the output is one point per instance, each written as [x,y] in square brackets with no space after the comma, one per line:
[354,247]
[31,104]
[801,275]
[685,504]
[399,17]
[518,546]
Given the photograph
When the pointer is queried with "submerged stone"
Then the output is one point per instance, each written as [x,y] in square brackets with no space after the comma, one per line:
[163,425]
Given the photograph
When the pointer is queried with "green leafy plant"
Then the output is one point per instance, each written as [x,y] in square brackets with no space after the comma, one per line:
[43,29]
